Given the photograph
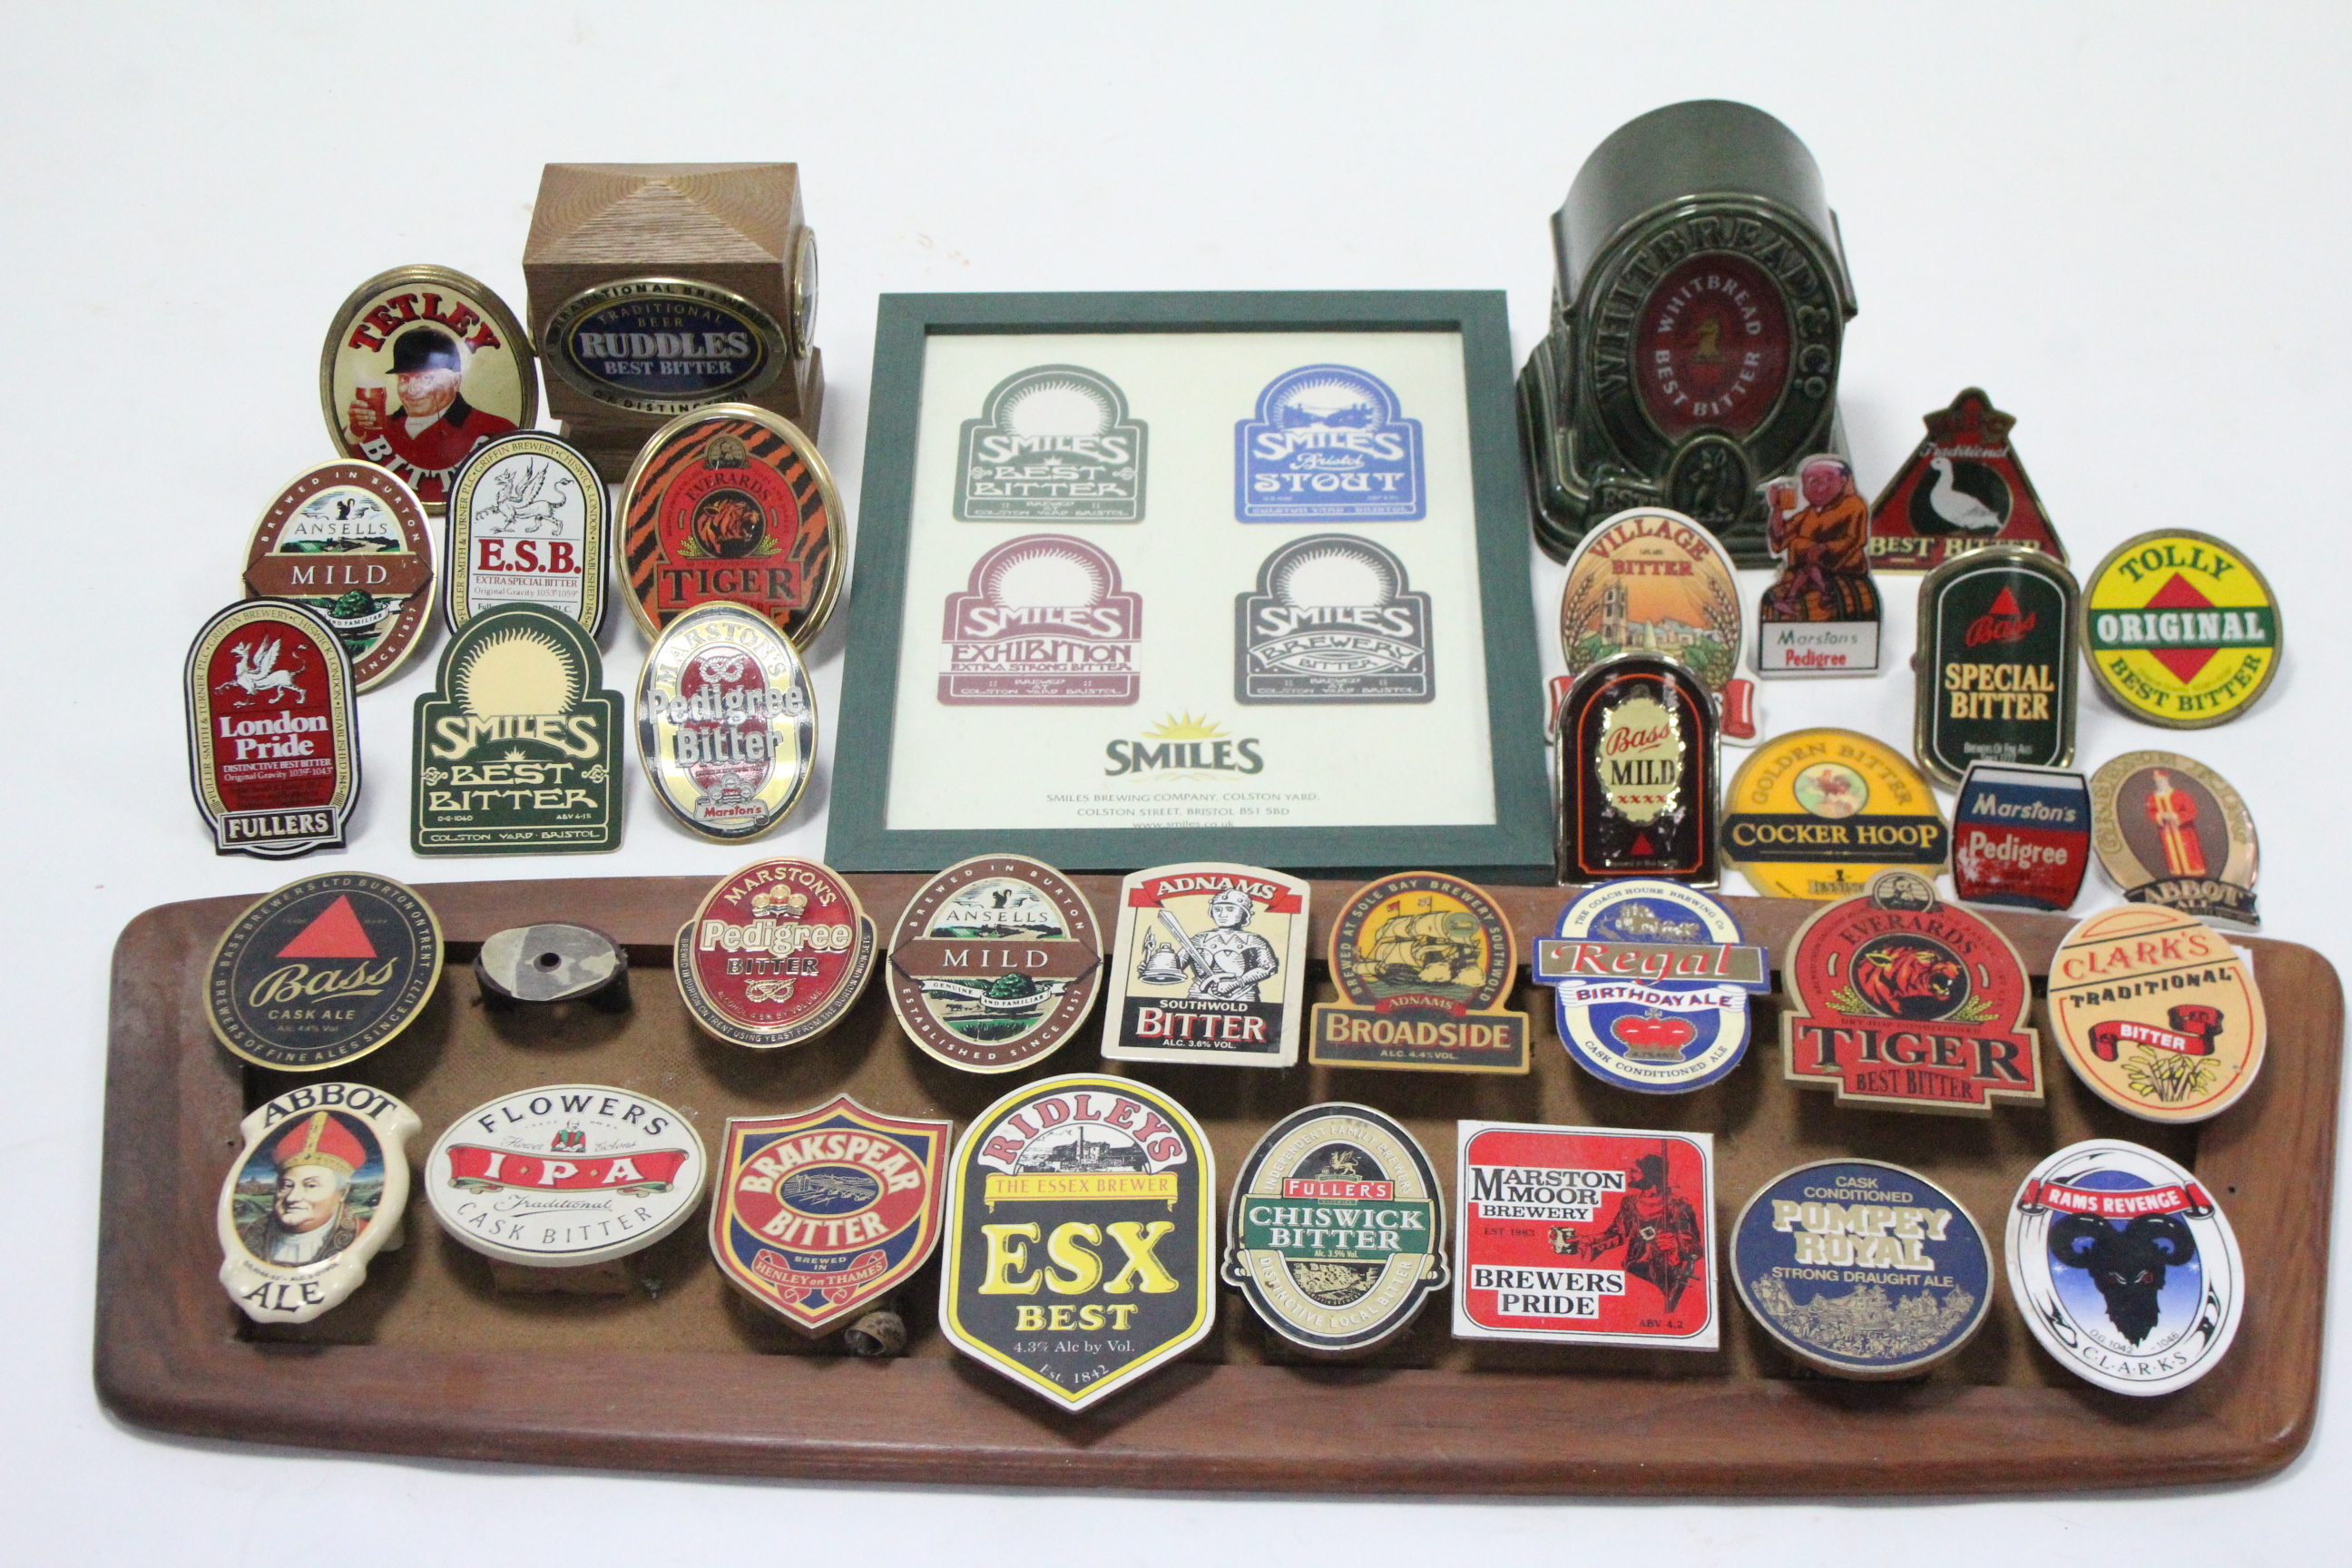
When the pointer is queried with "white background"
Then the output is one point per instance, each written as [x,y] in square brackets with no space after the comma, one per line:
[2125,222]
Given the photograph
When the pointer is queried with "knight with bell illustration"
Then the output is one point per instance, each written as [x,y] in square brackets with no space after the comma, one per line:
[1225,962]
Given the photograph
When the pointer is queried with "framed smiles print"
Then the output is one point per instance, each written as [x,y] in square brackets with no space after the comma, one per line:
[1146,578]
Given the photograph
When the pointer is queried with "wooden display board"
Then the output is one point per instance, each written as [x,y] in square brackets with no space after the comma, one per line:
[430,1357]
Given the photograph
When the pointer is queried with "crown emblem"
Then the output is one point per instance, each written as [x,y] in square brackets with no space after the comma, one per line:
[779,903]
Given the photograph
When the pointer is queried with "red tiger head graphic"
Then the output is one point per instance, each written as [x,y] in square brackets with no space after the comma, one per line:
[728,523]
[1910,977]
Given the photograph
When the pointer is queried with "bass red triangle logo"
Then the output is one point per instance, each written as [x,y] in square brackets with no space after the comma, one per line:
[2004,603]
[1642,845]
[336,933]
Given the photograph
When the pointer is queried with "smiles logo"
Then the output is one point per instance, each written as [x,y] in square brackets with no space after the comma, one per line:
[1184,744]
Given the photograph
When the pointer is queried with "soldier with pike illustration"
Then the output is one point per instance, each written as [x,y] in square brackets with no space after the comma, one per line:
[1656,1227]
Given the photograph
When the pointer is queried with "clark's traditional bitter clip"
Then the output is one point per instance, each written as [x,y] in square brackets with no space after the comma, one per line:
[2157,1013]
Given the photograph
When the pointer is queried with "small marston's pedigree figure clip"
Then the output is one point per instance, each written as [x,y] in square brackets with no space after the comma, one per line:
[1821,617]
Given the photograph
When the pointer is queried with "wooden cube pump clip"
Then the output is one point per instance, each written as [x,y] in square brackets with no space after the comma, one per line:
[735,227]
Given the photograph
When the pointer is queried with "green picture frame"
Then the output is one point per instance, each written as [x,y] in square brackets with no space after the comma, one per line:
[1515,847]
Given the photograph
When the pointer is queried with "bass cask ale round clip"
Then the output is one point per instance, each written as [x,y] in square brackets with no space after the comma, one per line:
[1994,673]
[421,366]
[819,1215]
[995,962]
[1653,981]
[2125,1267]
[347,540]
[725,722]
[1336,1233]
[1585,1235]
[731,504]
[2157,1013]
[775,954]
[273,729]
[1638,774]
[1424,963]
[317,1190]
[1902,1002]
[2180,629]
[322,972]
[1862,1269]
[2171,831]
[527,525]
[566,1175]
[1081,1237]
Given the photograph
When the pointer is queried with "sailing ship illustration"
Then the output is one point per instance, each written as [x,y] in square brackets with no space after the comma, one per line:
[1440,949]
